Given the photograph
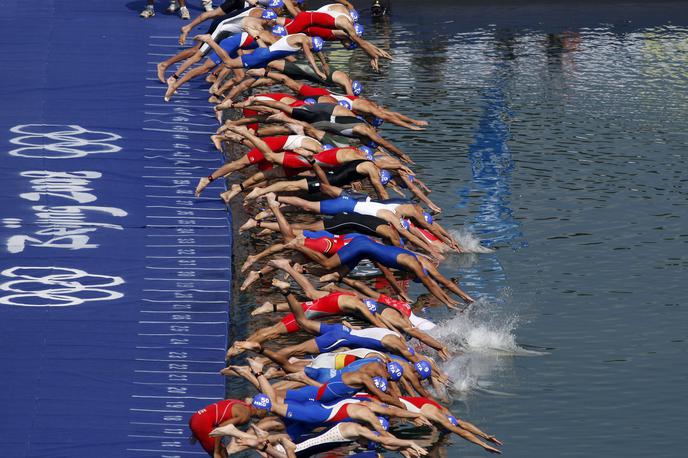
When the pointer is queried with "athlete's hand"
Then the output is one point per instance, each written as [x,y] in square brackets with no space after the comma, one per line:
[444,353]
[421,421]
[374,65]
[491,449]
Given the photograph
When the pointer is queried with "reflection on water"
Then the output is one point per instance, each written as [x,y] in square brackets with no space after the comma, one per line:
[558,139]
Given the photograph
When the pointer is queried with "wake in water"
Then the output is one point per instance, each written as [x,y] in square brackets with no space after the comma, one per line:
[469,242]
[484,340]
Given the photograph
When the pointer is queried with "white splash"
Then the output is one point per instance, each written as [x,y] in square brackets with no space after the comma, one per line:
[468,241]
[484,343]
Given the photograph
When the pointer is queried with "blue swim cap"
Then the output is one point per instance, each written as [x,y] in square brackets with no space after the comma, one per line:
[377,122]
[354,15]
[356,87]
[452,420]
[411,350]
[424,369]
[351,45]
[428,217]
[372,144]
[395,370]
[309,101]
[327,146]
[261,402]
[317,44]
[279,30]
[406,224]
[370,154]
[383,422]
[380,383]
[385,176]
[371,304]
[358,28]
[268,14]
[275,3]
[345,103]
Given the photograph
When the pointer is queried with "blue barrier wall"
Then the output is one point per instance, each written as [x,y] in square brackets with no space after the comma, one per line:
[114,279]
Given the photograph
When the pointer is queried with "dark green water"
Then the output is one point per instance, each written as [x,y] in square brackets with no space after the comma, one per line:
[558,138]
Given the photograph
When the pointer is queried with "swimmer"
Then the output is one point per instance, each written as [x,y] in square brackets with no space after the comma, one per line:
[221,413]
[286,45]
[330,117]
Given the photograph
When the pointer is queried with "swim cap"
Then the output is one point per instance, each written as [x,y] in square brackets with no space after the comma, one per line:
[275,3]
[371,304]
[452,420]
[372,144]
[424,369]
[385,176]
[279,30]
[309,101]
[261,402]
[345,103]
[354,15]
[395,370]
[327,146]
[358,28]
[383,422]
[411,350]
[317,44]
[380,383]
[377,122]
[268,14]
[406,224]
[351,45]
[428,217]
[370,154]
[356,87]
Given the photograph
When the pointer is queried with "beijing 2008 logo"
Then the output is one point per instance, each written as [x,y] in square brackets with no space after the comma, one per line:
[59,141]
[56,287]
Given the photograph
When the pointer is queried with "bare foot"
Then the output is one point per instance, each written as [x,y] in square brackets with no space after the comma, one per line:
[279,284]
[250,260]
[161,72]
[170,90]
[227,103]
[210,78]
[214,99]
[265,232]
[229,195]
[254,194]
[250,224]
[280,263]
[233,351]
[274,372]
[251,278]
[299,268]
[227,430]
[334,276]
[272,200]
[217,141]
[266,307]
[229,372]
[420,123]
[256,366]
[262,215]
[248,345]
[202,183]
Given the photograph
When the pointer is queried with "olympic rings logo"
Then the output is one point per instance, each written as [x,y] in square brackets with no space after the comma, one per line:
[56,287]
[59,141]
